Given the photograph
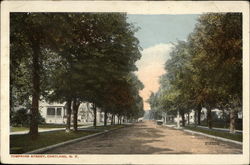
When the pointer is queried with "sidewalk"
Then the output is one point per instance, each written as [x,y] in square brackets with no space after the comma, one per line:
[220,129]
[51,129]
[204,127]
[205,134]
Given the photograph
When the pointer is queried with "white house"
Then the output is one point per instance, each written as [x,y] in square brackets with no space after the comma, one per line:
[86,114]
[56,113]
[53,113]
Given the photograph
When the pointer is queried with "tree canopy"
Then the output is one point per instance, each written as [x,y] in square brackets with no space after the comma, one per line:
[74,58]
[206,70]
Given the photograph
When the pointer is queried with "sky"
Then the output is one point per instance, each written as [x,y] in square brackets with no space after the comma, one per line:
[156,34]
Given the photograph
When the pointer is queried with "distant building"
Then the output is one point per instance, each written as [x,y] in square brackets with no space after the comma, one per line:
[217,113]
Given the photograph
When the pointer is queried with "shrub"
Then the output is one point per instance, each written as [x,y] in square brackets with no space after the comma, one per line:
[22,118]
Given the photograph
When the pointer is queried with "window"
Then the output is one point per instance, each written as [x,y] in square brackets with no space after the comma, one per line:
[58,111]
[51,111]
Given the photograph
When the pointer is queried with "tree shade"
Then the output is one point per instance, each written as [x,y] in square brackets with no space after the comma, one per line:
[74,57]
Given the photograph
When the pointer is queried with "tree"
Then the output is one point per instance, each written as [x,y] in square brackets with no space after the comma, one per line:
[176,93]
[31,34]
[199,70]
[74,62]
[105,55]
[218,56]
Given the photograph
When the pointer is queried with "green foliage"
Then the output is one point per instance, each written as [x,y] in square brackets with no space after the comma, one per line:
[206,69]
[88,57]
[22,118]
[217,58]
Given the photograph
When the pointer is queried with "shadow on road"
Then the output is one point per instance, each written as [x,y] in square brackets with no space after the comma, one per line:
[143,138]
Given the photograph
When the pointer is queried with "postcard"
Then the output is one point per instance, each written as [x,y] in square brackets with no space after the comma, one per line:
[125,82]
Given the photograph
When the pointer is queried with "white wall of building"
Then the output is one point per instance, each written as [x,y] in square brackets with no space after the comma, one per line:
[85,113]
[59,112]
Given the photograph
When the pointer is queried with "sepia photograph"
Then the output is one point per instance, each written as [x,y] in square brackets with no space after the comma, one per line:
[103,82]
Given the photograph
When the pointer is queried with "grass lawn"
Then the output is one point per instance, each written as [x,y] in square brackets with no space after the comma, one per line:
[23,143]
[237,137]
[17,129]
[217,124]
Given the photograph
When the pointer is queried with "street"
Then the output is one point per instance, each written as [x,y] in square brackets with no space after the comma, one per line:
[148,138]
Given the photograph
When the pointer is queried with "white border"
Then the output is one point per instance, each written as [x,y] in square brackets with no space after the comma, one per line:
[131,7]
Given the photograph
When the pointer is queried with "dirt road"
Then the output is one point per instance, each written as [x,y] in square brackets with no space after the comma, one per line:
[148,138]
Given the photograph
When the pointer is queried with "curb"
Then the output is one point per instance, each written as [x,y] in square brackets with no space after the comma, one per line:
[41,150]
[210,136]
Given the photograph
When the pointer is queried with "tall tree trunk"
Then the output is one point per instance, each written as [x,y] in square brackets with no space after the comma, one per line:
[112,120]
[233,116]
[188,118]
[195,117]
[199,115]
[105,118]
[209,118]
[95,114]
[35,90]
[183,119]
[76,105]
[68,114]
